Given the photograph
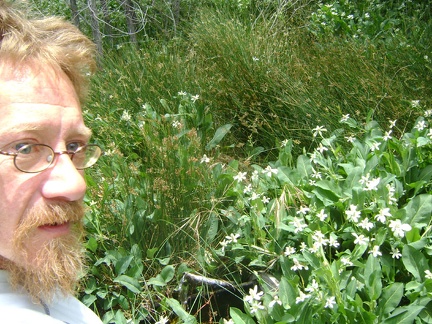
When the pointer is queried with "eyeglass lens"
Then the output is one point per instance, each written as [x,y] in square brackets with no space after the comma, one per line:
[38,157]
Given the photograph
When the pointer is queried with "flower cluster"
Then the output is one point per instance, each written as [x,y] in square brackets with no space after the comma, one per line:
[345,221]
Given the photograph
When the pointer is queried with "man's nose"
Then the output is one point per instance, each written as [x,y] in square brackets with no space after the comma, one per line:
[63,181]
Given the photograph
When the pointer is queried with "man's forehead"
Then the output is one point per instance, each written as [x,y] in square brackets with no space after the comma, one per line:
[44,85]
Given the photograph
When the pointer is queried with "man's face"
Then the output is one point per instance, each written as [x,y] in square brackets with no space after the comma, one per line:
[38,106]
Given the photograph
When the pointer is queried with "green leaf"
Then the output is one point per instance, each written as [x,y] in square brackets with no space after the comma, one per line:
[287,292]
[219,135]
[402,315]
[414,261]
[130,283]
[418,211]
[239,317]
[372,277]
[167,273]
[179,310]
[92,244]
[304,166]
[390,298]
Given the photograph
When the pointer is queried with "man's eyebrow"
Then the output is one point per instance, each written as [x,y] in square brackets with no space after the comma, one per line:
[22,128]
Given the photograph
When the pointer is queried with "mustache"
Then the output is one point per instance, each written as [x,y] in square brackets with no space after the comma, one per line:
[54,214]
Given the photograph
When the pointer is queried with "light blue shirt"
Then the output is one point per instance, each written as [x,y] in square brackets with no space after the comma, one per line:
[16,307]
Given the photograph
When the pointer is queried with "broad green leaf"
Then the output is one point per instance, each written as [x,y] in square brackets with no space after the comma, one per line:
[390,298]
[239,317]
[372,277]
[304,166]
[122,264]
[212,228]
[414,261]
[218,136]
[403,315]
[181,313]
[167,273]
[418,211]
[130,283]
[287,292]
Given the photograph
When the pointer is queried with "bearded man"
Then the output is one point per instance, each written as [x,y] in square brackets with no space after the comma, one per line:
[44,147]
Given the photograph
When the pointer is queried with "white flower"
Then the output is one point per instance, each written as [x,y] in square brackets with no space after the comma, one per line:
[398,228]
[298,224]
[240,176]
[316,175]
[428,274]
[289,250]
[415,103]
[365,224]
[230,321]
[360,239]
[205,159]
[298,266]
[333,242]
[372,184]
[319,238]
[375,146]
[254,196]
[303,210]
[303,246]
[344,118]
[269,171]
[275,301]
[430,133]
[284,143]
[346,262]
[312,287]
[319,130]
[383,213]
[302,297]
[232,238]
[364,178]
[265,200]
[224,244]
[322,215]
[331,301]
[256,306]
[255,175]
[176,124]
[254,295]
[350,139]
[353,214]
[195,98]
[392,123]
[162,320]
[126,116]
[248,188]
[428,113]
[395,253]
[420,125]
[387,135]
[321,148]
[182,93]
[255,59]
[375,251]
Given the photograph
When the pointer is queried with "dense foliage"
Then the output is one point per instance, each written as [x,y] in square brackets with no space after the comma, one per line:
[282,148]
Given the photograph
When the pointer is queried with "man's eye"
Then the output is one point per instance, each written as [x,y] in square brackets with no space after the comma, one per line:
[72,147]
[23,148]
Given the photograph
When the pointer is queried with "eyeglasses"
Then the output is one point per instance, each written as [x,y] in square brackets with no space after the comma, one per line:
[34,158]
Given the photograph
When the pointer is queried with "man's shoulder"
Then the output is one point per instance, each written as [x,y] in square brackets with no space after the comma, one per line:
[17,315]
[71,310]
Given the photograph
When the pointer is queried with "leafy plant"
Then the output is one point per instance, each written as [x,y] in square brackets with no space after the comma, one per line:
[345,229]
